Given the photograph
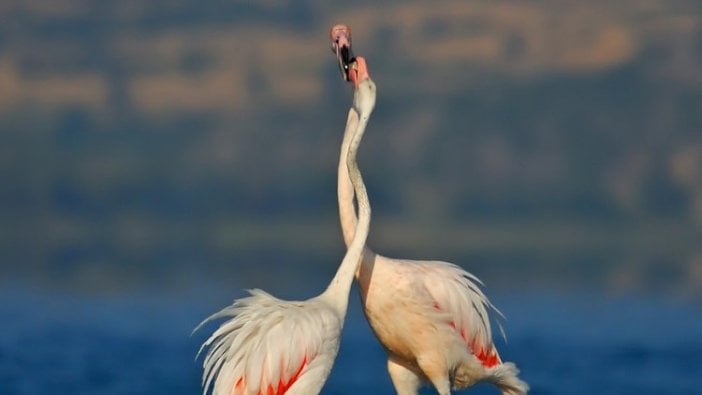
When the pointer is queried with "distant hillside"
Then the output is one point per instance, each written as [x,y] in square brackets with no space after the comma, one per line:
[137,133]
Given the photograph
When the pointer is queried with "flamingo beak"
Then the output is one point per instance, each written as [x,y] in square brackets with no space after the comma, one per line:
[340,36]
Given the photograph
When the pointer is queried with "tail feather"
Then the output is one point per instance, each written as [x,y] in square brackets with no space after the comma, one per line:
[505,377]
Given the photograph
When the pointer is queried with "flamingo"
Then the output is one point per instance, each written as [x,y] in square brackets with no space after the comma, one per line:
[431,317]
[272,346]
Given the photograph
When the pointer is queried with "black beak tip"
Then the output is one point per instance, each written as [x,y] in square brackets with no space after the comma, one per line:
[345,57]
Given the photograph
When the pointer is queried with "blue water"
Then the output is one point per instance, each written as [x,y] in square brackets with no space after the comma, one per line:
[68,343]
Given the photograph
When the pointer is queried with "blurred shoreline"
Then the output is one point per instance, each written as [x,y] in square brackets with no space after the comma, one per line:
[529,255]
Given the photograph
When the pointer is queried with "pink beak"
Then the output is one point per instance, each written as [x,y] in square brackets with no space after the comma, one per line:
[340,36]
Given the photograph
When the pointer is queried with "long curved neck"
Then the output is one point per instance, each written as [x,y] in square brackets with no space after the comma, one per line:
[346,194]
[345,189]
[337,293]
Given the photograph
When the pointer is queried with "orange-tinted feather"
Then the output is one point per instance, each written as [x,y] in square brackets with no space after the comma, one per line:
[280,389]
[488,359]
[283,388]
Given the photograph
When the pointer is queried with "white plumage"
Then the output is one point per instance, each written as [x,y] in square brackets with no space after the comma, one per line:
[270,343]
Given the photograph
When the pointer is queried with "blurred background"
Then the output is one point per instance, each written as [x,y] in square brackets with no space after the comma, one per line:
[158,157]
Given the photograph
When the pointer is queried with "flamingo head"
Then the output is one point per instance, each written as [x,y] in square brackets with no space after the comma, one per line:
[364,87]
[358,71]
[340,36]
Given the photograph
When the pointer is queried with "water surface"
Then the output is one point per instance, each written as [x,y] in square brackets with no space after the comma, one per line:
[140,343]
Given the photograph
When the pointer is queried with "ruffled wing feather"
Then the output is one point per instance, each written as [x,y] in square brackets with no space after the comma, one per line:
[457,293]
[265,346]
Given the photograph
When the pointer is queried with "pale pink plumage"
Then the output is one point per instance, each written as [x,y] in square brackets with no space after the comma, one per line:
[430,316]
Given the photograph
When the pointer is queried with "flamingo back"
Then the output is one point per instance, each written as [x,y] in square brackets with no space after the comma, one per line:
[267,345]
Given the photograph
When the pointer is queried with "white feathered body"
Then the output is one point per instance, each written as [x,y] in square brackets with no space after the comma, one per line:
[399,291]
[272,346]
[430,316]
